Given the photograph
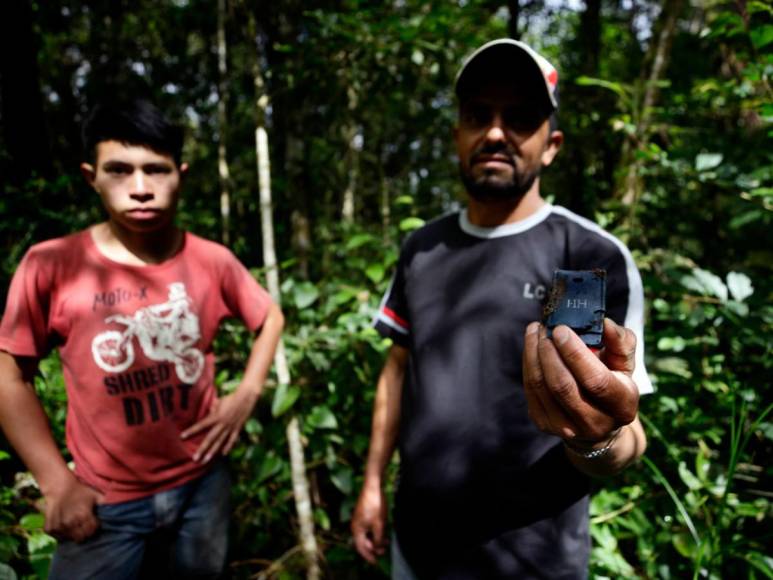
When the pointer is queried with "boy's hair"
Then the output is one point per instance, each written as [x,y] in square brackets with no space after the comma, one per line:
[134,122]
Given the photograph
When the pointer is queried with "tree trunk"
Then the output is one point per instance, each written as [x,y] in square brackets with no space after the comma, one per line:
[514,8]
[24,130]
[303,505]
[659,50]
[352,157]
[222,121]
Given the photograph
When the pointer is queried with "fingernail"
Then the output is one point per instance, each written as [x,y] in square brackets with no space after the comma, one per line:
[560,334]
[532,328]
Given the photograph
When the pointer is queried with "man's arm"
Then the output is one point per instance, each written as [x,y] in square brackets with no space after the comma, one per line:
[591,402]
[69,505]
[370,515]
[229,413]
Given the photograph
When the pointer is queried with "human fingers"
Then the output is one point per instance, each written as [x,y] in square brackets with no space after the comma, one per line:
[619,347]
[598,394]
[544,410]
[233,437]
[555,419]
[201,425]
[362,539]
[561,390]
[85,528]
[211,441]
[532,376]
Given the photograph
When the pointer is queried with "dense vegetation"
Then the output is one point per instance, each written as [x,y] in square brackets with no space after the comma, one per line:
[668,113]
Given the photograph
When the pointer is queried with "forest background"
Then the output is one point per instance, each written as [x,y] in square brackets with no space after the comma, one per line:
[667,110]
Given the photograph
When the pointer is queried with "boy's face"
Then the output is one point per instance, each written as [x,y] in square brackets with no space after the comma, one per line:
[138,186]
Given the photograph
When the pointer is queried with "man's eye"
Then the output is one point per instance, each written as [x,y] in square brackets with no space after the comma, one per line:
[475,117]
[117,170]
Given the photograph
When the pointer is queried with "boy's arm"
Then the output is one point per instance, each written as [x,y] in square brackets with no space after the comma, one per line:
[69,505]
[369,520]
[229,413]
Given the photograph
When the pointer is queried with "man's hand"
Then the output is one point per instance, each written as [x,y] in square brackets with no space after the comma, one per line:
[224,422]
[369,523]
[575,394]
[69,510]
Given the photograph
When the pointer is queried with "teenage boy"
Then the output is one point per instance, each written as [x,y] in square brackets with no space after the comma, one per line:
[133,305]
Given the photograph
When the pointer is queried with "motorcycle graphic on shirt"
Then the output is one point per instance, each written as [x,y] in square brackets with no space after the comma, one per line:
[166,332]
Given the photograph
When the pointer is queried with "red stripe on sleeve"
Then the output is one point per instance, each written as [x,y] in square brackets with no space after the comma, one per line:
[391,314]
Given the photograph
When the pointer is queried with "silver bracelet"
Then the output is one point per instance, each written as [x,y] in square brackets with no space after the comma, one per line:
[594,453]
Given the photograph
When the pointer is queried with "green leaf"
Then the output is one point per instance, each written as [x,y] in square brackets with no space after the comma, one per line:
[322,519]
[40,542]
[8,547]
[684,545]
[342,479]
[761,36]
[411,223]
[674,365]
[706,283]
[739,285]
[616,88]
[7,573]
[404,200]
[270,466]
[688,477]
[321,417]
[358,240]
[375,272]
[706,161]
[284,398]
[4,455]
[304,295]
[32,522]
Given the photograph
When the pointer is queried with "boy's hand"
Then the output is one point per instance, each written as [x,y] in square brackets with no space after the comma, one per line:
[224,422]
[69,511]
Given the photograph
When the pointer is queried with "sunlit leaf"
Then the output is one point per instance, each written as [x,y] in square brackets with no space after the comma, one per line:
[706,161]
[411,223]
[739,285]
[305,294]
[673,365]
[342,479]
[321,417]
[284,398]
[32,522]
[761,36]
[375,272]
[704,282]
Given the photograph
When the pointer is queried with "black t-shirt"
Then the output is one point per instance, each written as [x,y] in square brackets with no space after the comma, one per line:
[482,492]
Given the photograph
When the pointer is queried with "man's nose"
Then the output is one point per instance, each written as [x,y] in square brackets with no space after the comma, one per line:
[496,130]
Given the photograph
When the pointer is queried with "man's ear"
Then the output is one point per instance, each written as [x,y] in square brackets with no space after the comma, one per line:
[89,173]
[555,140]
[183,169]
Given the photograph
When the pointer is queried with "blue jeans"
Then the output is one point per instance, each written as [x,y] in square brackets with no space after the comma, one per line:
[178,533]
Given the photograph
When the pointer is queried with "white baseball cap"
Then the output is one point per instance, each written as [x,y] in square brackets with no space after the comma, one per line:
[506,53]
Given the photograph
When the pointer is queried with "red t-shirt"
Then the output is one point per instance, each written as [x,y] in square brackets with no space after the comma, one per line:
[136,350]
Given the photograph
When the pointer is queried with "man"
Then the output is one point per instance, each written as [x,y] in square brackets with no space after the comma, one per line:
[499,426]
[133,305]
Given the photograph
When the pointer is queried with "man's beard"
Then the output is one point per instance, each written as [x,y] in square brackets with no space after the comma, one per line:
[490,187]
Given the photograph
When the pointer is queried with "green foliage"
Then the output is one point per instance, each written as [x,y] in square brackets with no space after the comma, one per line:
[361,97]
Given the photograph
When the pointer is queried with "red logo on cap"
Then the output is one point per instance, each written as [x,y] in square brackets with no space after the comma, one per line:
[553,77]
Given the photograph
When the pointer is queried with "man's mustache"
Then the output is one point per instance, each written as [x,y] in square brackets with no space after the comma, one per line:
[490,149]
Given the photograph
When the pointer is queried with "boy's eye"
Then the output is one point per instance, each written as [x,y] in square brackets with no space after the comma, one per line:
[157,169]
[117,169]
